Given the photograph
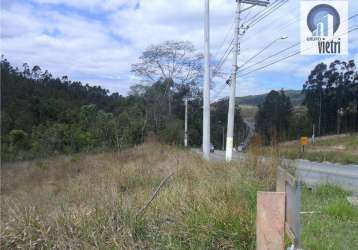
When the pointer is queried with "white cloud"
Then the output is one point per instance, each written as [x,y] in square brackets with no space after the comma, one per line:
[92,5]
[100,48]
[81,49]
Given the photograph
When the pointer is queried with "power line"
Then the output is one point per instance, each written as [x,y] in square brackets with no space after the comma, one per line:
[230,47]
[259,15]
[284,58]
[275,62]
[263,11]
[218,93]
[283,50]
[227,52]
[271,56]
[248,13]
[223,58]
[279,28]
[282,27]
[228,32]
[269,12]
[262,50]
[277,4]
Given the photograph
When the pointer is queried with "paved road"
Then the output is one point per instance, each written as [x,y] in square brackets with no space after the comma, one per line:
[250,134]
[313,173]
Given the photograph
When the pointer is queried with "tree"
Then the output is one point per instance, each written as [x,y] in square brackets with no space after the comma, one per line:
[219,122]
[175,60]
[58,115]
[173,69]
[273,116]
[36,72]
[48,111]
[300,123]
[172,63]
[331,96]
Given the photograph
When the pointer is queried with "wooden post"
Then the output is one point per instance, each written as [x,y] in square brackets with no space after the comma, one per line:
[270,221]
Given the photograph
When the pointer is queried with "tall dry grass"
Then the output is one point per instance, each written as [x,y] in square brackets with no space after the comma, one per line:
[91,201]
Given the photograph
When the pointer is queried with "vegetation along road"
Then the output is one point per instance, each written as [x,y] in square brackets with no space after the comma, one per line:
[92,201]
[313,173]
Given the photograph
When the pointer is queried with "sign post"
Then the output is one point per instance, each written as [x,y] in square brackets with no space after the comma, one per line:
[303,142]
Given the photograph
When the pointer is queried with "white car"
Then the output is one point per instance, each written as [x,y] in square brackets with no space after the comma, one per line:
[212,148]
[240,148]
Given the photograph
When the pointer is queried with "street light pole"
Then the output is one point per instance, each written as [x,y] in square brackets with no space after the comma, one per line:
[206,91]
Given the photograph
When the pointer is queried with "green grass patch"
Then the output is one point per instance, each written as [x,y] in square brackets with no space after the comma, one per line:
[335,223]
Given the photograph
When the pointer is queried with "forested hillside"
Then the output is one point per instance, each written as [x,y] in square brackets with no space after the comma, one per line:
[330,100]
[42,115]
[296,97]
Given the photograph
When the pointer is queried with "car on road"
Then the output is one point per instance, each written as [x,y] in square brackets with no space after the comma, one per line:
[212,148]
[240,148]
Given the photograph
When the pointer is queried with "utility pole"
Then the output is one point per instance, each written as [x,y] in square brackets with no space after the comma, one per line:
[206,92]
[231,114]
[186,123]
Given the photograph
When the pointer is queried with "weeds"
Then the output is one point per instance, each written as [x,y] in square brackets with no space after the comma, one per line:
[91,202]
[341,210]
[335,225]
[339,149]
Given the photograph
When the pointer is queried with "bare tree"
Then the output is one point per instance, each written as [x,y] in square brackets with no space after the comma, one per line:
[174,63]
[171,60]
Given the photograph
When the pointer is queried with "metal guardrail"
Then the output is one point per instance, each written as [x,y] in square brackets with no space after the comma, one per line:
[292,187]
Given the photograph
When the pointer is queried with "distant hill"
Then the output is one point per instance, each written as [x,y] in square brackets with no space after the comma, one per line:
[295,95]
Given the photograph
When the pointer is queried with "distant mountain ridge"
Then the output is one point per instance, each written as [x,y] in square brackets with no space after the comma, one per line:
[296,97]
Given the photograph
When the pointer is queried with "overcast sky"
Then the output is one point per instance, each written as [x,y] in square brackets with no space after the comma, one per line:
[96,41]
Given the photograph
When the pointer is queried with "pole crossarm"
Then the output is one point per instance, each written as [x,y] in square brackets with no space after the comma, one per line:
[256,2]
[243,10]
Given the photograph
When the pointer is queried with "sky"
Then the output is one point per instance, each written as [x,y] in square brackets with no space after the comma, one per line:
[96,41]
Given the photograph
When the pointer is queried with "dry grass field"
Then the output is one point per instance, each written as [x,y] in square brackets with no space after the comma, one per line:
[92,201]
[88,201]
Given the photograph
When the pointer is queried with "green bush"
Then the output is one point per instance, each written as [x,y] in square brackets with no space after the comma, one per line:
[57,137]
[174,132]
